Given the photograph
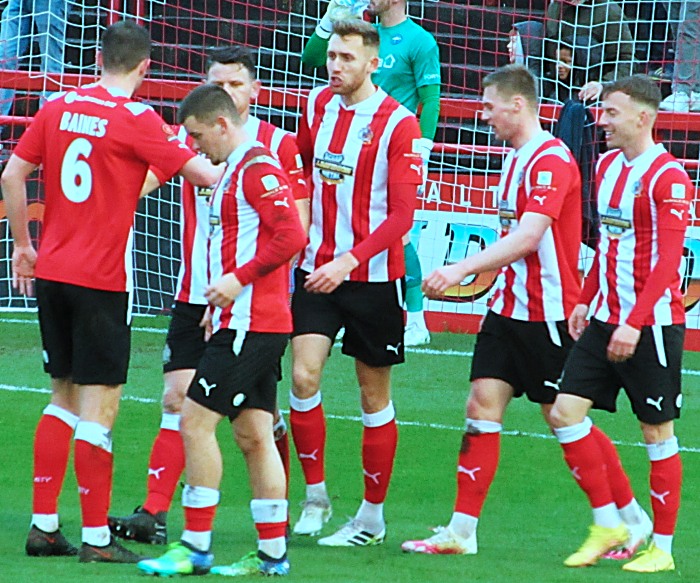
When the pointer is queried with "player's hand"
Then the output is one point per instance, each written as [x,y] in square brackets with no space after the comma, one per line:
[623,343]
[206,323]
[346,9]
[590,91]
[328,277]
[578,321]
[23,262]
[436,284]
[222,292]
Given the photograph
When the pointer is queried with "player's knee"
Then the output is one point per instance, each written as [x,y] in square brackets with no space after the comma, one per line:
[250,441]
[173,398]
[306,381]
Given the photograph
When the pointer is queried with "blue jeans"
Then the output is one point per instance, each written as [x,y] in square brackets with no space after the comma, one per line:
[686,76]
[18,20]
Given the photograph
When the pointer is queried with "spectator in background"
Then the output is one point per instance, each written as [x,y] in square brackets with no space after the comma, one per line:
[576,63]
[19,20]
[686,74]
[603,23]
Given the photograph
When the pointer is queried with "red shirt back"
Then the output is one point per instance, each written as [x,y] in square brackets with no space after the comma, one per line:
[95,145]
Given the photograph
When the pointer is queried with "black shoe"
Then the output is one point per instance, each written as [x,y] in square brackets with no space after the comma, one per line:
[141,526]
[112,553]
[48,544]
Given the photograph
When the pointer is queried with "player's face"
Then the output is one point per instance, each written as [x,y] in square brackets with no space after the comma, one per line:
[237,81]
[621,120]
[208,139]
[349,64]
[378,7]
[498,113]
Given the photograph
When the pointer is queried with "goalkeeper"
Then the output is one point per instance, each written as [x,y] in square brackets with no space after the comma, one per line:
[409,71]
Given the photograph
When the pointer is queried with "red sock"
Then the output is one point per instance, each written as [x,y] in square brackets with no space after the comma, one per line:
[51,450]
[617,477]
[478,461]
[271,530]
[282,445]
[309,434]
[586,461]
[165,467]
[93,470]
[665,481]
[378,453]
[199,519]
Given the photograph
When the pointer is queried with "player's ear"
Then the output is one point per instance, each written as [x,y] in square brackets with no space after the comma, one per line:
[98,58]
[257,85]
[143,67]
[373,64]
[518,103]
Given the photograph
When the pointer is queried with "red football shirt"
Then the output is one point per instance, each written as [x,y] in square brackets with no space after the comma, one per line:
[95,145]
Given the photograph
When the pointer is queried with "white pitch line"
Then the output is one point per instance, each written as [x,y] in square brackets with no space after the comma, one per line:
[355,418]
[432,351]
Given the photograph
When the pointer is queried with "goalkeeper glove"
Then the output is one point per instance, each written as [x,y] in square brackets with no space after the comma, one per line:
[340,10]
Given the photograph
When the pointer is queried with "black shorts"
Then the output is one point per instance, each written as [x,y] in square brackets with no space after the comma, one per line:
[654,390]
[239,370]
[529,356]
[185,344]
[372,314]
[84,332]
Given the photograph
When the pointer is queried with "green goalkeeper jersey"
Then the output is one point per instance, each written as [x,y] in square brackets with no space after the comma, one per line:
[409,59]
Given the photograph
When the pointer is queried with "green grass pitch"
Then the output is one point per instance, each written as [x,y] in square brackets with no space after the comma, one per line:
[534,516]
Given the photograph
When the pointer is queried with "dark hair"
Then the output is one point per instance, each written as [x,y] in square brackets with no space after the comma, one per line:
[124,45]
[513,80]
[207,102]
[235,54]
[355,26]
[639,87]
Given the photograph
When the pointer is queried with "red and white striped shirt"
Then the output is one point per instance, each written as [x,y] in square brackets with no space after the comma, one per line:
[541,177]
[192,278]
[643,207]
[364,172]
[254,230]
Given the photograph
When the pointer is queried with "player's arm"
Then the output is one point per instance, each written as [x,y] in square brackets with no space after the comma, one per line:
[201,172]
[550,181]
[578,319]
[672,195]
[292,164]
[152,182]
[14,192]
[314,53]
[278,217]
[519,243]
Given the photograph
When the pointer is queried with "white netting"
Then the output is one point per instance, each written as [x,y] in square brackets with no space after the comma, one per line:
[458,214]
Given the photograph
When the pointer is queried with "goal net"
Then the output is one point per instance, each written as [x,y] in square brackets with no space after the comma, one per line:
[565,45]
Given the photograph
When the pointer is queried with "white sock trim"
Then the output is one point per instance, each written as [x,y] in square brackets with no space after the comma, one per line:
[45,522]
[94,433]
[280,425]
[97,536]
[662,450]
[664,542]
[170,421]
[463,525]
[64,415]
[199,497]
[483,426]
[304,405]
[199,540]
[379,418]
[268,510]
[573,432]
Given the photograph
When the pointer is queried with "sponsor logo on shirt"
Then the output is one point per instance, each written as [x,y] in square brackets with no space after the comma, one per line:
[615,225]
[332,169]
[506,216]
[396,39]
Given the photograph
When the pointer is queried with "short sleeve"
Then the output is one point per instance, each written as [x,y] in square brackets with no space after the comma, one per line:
[550,179]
